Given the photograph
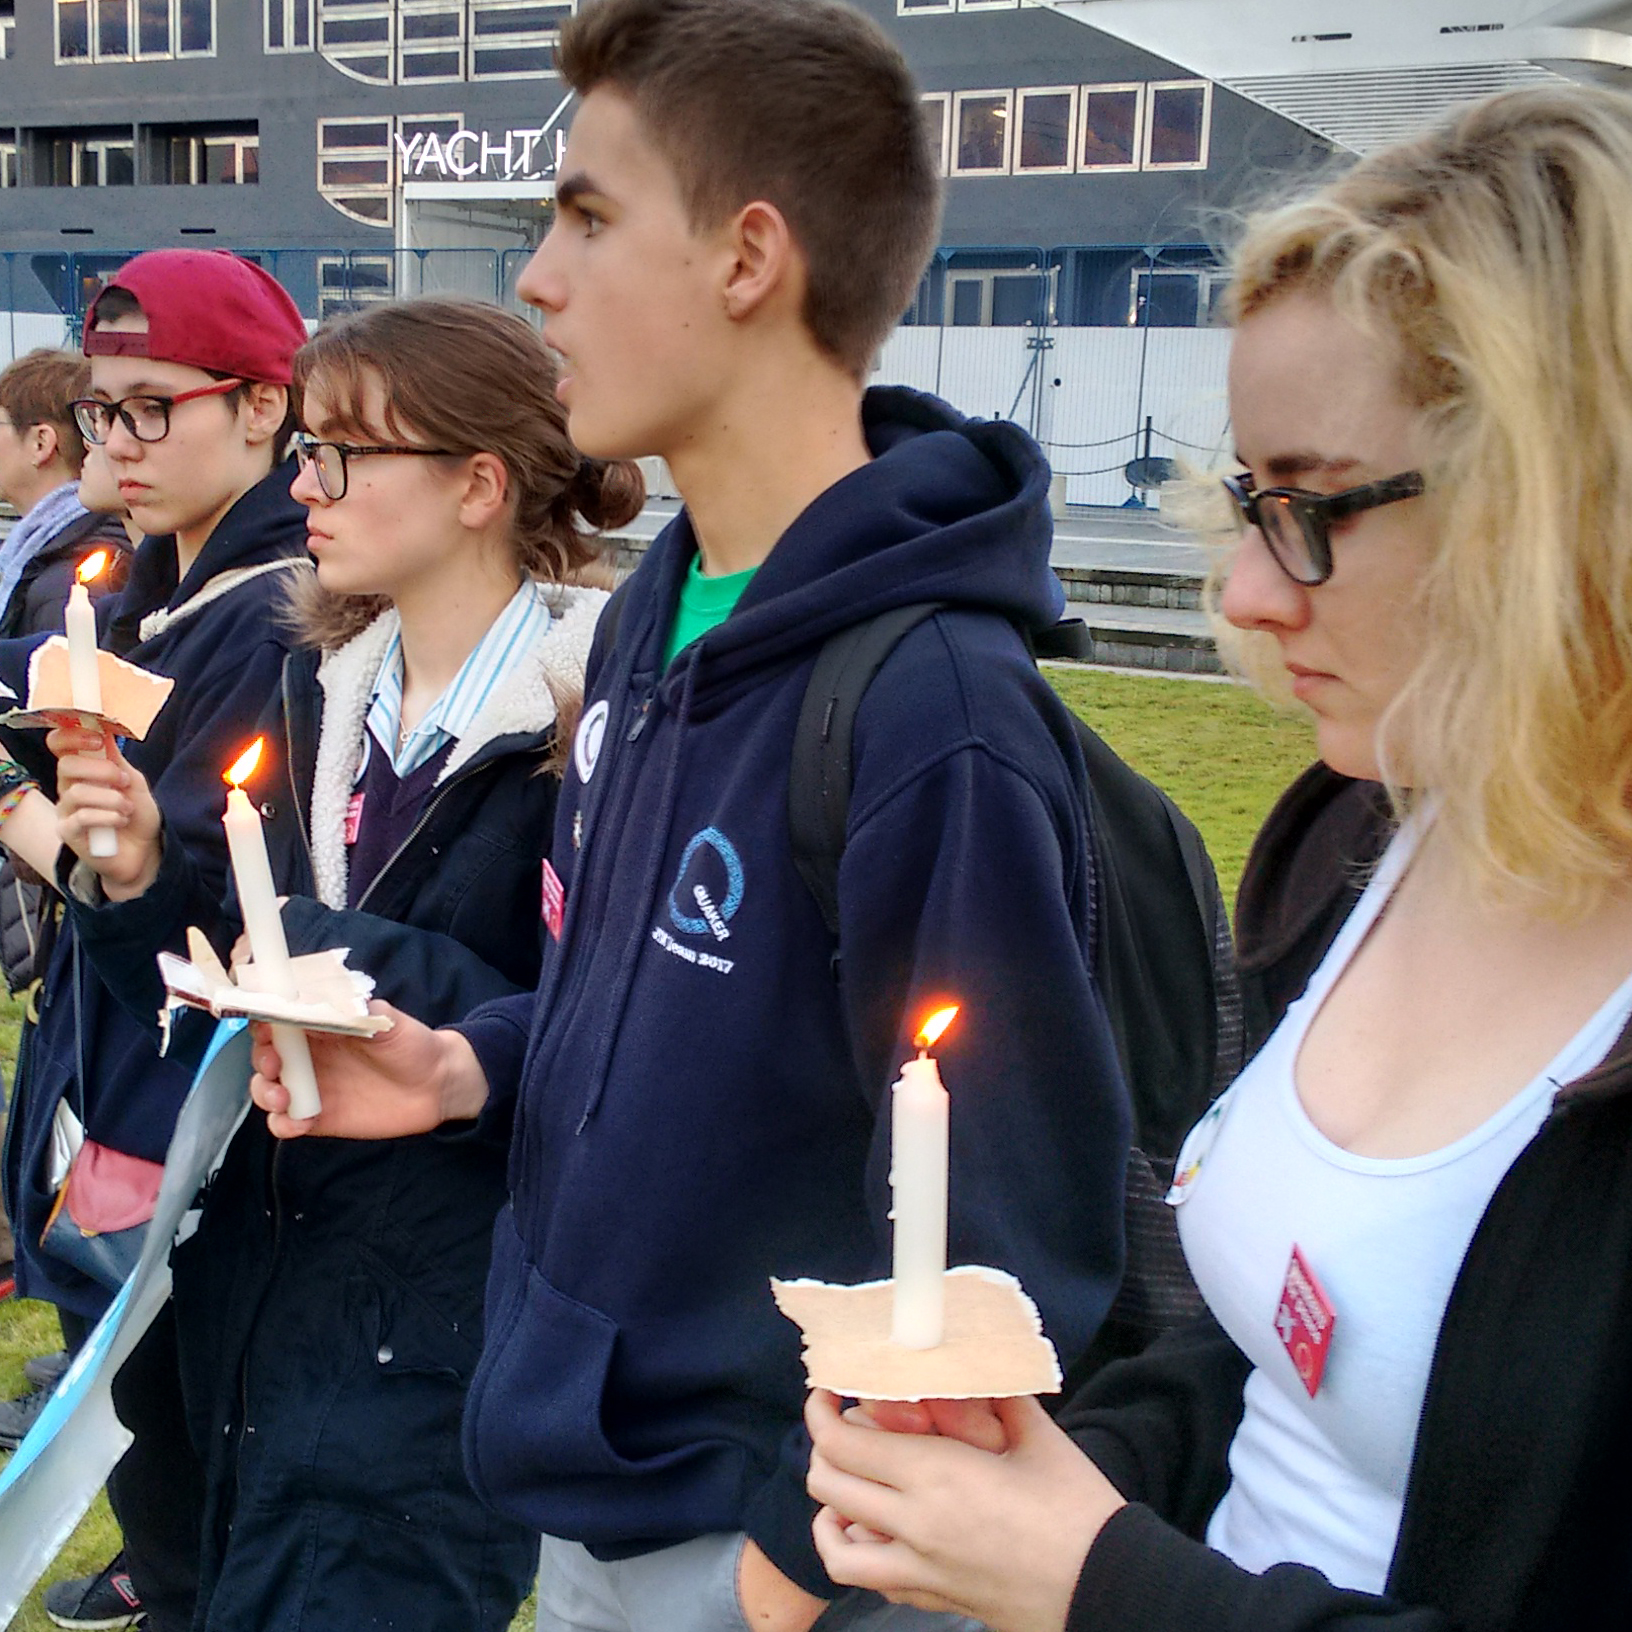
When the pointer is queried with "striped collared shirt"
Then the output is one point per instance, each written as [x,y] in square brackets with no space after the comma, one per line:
[523,621]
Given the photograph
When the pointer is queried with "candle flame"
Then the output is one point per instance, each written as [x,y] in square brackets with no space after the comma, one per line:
[937,1023]
[92,566]
[244,765]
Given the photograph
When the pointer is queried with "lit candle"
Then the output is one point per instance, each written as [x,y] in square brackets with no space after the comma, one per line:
[258,902]
[85,683]
[918,1163]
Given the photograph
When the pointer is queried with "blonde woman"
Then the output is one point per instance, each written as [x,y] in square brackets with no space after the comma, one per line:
[1411,1216]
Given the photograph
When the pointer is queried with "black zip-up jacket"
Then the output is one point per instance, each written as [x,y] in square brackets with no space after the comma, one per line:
[27,912]
[37,602]
[1518,1508]
[329,1307]
[225,658]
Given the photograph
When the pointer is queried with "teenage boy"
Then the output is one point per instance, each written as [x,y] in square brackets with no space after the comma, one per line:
[698,1097]
[190,365]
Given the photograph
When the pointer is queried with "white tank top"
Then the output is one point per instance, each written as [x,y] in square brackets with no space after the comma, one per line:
[1322,1481]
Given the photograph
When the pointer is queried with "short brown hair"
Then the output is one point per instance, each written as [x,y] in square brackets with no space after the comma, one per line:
[806,104]
[471,378]
[36,390]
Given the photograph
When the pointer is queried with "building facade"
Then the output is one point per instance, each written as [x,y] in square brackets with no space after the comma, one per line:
[370,147]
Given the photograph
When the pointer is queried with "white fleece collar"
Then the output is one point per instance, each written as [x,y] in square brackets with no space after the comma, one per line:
[522,703]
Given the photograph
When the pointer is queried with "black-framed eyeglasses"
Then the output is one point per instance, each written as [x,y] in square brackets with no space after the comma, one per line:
[1297,525]
[146,418]
[329,458]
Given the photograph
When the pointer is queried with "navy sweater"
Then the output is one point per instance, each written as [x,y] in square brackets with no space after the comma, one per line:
[225,660]
[701,1106]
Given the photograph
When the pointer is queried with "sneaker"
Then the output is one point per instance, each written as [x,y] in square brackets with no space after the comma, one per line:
[19,1415]
[104,1599]
[45,1370]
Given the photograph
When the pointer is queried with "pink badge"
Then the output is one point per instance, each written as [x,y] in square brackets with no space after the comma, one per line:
[554,900]
[1304,1322]
[354,817]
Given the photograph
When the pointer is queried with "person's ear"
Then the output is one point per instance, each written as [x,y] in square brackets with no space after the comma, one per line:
[765,262]
[264,408]
[43,444]
[486,493]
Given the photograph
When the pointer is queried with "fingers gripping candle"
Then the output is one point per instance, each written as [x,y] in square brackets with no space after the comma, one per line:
[263,923]
[85,683]
[918,1166]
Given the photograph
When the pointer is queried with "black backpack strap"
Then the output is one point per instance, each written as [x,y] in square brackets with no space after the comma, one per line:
[819,774]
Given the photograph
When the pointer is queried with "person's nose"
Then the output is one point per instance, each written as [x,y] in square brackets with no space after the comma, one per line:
[119,444]
[1258,594]
[540,281]
[305,487]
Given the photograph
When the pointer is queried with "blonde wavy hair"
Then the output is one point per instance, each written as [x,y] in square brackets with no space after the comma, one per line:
[1497,252]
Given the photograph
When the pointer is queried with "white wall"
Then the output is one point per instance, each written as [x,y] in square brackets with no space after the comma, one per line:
[1098,400]
[24,331]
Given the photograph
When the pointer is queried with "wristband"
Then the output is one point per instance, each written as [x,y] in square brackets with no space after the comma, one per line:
[11,798]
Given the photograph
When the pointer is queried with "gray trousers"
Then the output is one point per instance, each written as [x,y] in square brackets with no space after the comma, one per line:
[691,1587]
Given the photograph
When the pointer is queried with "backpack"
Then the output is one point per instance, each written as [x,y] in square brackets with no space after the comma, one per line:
[1158,951]
[1163,955]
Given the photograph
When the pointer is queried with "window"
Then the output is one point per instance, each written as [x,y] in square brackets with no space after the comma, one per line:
[82,159]
[1177,127]
[1112,127]
[987,5]
[354,168]
[431,40]
[510,39]
[153,34]
[288,25]
[194,158]
[1048,120]
[8,22]
[938,117]
[347,282]
[420,140]
[195,27]
[980,143]
[416,42]
[73,31]
[8,164]
[356,36]
[1169,297]
[123,30]
[915,8]
[1000,299]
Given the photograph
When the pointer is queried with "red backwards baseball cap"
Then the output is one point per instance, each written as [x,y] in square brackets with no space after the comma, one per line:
[207,308]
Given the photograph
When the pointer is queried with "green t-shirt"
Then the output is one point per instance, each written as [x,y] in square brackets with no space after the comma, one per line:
[704,603]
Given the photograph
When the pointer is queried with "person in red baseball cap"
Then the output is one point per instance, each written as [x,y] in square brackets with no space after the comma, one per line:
[189,401]
[171,331]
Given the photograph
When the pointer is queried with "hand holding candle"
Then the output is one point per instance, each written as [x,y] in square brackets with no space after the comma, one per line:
[79,624]
[263,923]
[918,1176]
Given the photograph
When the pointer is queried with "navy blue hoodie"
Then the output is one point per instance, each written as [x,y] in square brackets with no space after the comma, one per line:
[225,659]
[701,1105]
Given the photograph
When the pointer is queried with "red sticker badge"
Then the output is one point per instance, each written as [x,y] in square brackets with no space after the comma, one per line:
[354,817]
[1304,1322]
[554,900]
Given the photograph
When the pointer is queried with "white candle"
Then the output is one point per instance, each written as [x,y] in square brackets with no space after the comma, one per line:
[79,622]
[258,901]
[918,1164]
[84,680]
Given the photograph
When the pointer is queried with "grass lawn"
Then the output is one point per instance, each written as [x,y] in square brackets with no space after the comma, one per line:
[1216,749]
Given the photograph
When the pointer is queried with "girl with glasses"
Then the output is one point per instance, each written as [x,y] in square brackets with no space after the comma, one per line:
[329,1308]
[1411,1216]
